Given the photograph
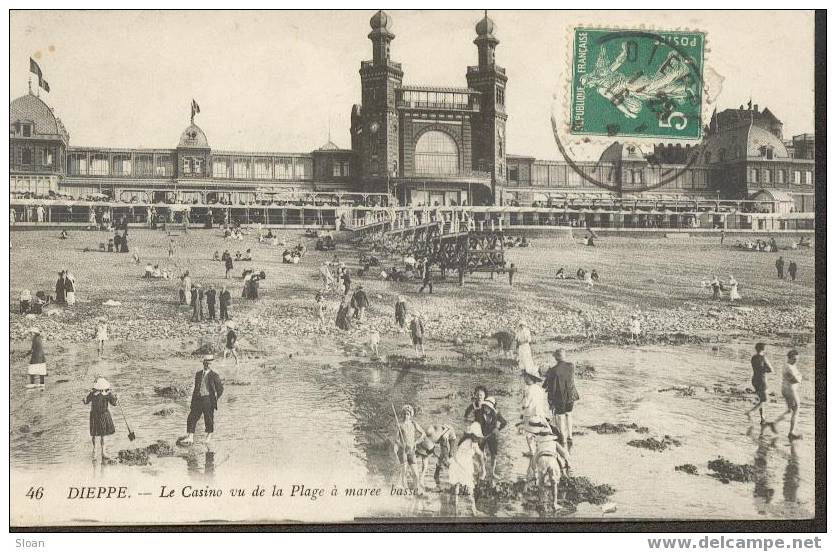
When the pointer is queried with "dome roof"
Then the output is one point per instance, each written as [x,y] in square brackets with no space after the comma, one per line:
[759,138]
[30,108]
[193,137]
[747,140]
[620,153]
[329,146]
[380,20]
[485,27]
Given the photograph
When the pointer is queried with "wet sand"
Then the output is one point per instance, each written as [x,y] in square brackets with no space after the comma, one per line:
[308,404]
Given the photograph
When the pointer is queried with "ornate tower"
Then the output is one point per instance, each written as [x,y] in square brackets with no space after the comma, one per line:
[489,124]
[378,129]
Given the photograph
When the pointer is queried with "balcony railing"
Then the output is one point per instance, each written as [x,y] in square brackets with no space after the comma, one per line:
[476,69]
[370,63]
[438,105]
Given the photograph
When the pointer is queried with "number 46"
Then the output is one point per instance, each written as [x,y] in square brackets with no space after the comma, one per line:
[682,121]
[35,494]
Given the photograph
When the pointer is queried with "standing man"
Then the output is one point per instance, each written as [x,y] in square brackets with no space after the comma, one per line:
[427,281]
[223,302]
[792,268]
[511,271]
[760,368]
[562,394]
[208,388]
[416,330]
[195,303]
[722,235]
[360,303]
[779,266]
[346,281]
[227,259]
[210,301]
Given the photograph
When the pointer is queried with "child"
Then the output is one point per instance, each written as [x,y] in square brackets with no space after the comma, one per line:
[231,342]
[37,361]
[400,313]
[467,460]
[409,433]
[374,343]
[635,327]
[439,442]
[101,334]
[483,411]
[101,423]
[416,329]
[535,406]
[588,327]
[789,389]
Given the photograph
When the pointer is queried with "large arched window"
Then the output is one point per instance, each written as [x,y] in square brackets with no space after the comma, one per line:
[436,153]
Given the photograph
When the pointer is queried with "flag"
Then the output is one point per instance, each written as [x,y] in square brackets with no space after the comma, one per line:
[195,109]
[34,68]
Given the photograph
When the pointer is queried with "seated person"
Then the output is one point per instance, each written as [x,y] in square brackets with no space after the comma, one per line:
[38,303]
[595,276]
[63,235]
[216,256]
[248,256]
[286,256]
[560,275]
[580,274]
[524,242]
[148,271]
[270,234]
[25,301]
[238,256]
[110,245]
[227,233]
[156,272]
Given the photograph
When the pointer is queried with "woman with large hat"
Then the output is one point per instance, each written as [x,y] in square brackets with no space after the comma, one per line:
[535,407]
[525,359]
[37,361]
[101,424]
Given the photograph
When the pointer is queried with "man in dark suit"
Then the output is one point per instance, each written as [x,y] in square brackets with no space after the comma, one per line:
[210,301]
[207,390]
[223,300]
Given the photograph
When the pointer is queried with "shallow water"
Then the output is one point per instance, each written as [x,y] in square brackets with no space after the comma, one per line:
[323,418]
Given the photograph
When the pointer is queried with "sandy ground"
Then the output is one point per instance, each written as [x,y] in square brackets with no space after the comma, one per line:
[153,341]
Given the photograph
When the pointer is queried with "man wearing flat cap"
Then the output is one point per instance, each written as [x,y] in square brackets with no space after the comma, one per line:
[207,390]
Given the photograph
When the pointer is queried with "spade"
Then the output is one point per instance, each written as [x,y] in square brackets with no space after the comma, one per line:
[131,434]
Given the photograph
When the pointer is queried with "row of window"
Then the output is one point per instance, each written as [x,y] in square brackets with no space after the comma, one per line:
[779,176]
[44,157]
[262,169]
[162,165]
[563,175]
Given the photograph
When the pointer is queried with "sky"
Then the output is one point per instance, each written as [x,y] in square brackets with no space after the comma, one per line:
[277,81]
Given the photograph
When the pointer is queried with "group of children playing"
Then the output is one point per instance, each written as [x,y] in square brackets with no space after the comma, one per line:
[474,456]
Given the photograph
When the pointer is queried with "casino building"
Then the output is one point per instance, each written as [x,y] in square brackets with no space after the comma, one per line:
[424,145]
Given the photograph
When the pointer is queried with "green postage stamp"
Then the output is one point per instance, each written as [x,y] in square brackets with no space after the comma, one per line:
[637,83]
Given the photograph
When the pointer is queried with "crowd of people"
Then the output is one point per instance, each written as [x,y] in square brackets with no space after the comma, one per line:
[545,419]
